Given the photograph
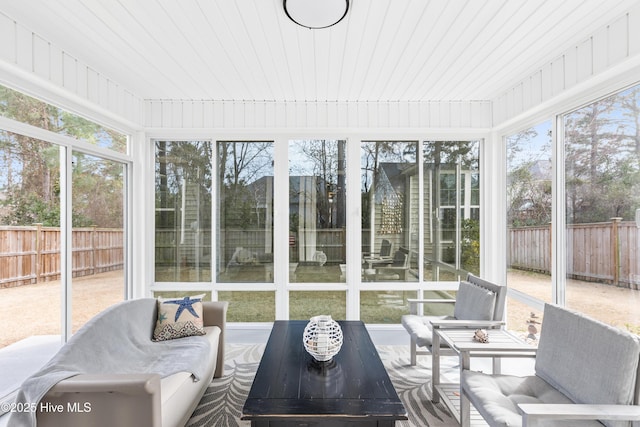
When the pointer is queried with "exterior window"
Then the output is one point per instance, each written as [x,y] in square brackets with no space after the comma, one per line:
[529,208]
[29,225]
[317,219]
[98,236]
[451,194]
[602,186]
[389,198]
[250,306]
[25,109]
[183,211]
[245,212]
[305,304]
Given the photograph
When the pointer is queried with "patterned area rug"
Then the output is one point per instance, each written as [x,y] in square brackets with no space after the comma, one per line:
[223,401]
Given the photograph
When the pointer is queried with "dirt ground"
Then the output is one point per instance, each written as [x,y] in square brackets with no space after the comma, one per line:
[35,309]
[614,305]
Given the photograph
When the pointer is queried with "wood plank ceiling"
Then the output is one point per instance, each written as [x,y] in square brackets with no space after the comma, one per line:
[384,50]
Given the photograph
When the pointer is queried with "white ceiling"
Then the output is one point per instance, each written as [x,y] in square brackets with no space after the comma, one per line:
[406,50]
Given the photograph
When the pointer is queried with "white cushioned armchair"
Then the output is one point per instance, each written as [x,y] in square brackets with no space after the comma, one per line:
[478,304]
[586,374]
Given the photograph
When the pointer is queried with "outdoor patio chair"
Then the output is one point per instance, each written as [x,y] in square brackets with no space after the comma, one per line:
[385,249]
[478,304]
[396,269]
[586,374]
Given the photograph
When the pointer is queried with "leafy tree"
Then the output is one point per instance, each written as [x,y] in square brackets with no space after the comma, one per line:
[30,183]
[529,191]
[244,171]
[602,159]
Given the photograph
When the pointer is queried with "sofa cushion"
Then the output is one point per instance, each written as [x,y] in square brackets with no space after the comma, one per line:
[419,327]
[179,317]
[587,360]
[496,397]
[474,302]
[180,394]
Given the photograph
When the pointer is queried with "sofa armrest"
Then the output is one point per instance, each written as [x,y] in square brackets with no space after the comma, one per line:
[98,383]
[214,313]
[102,400]
[534,412]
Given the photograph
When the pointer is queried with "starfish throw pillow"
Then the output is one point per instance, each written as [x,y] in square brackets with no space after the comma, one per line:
[179,317]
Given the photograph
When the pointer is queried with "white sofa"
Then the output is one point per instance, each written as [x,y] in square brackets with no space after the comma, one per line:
[143,399]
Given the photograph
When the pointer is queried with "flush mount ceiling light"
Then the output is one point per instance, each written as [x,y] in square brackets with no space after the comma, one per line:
[316,14]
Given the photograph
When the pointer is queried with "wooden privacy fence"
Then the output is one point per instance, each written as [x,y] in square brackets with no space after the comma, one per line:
[599,252]
[32,254]
[173,247]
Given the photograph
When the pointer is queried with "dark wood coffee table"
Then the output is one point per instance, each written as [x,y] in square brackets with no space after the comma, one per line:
[291,389]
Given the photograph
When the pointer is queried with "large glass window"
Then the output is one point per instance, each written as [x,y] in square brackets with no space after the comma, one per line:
[30,287]
[451,209]
[529,208]
[183,211]
[250,306]
[390,219]
[97,236]
[25,109]
[602,185]
[317,219]
[245,211]
[306,304]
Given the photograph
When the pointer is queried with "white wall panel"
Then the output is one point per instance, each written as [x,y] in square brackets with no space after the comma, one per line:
[584,59]
[383,115]
[208,116]
[454,111]
[103,91]
[227,115]
[343,114]
[601,47]
[311,115]
[609,46]
[546,82]
[403,108]
[243,114]
[536,87]
[425,115]
[93,85]
[557,76]
[633,27]
[41,57]
[619,33]
[47,64]
[8,37]
[57,66]
[570,68]
[179,114]
[24,48]
[69,73]
[280,115]
[518,103]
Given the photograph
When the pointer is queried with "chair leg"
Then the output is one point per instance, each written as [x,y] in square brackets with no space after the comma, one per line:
[412,347]
[465,411]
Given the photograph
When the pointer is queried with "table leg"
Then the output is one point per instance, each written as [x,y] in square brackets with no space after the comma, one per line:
[435,366]
[497,365]
[465,406]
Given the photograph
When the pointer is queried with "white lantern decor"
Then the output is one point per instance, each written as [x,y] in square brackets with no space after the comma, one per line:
[322,338]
